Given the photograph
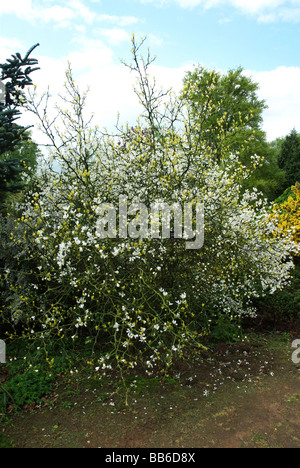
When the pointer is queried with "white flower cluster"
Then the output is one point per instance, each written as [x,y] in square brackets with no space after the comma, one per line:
[145,298]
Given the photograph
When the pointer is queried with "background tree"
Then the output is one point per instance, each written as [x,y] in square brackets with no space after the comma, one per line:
[227,115]
[268,178]
[289,158]
[226,109]
[15,75]
[27,153]
[26,150]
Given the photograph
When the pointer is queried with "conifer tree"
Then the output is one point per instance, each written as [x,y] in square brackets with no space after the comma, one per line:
[15,76]
[289,158]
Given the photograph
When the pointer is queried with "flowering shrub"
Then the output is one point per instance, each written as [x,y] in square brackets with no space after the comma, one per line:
[287,216]
[137,300]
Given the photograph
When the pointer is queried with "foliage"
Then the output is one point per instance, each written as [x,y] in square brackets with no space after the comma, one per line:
[15,74]
[226,330]
[20,166]
[268,178]
[226,109]
[289,158]
[137,300]
[10,180]
[4,442]
[228,114]
[283,197]
[287,215]
[282,308]
[26,150]
[27,388]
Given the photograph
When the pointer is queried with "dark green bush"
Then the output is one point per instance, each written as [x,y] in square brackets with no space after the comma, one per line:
[26,388]
[225,330]
[283,307]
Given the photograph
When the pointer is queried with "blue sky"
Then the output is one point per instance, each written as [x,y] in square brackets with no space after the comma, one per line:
[262,36]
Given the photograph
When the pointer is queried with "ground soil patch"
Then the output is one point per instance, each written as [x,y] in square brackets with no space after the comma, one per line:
[238,397]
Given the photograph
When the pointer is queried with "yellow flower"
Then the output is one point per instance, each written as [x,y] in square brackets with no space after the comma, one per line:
[288,216]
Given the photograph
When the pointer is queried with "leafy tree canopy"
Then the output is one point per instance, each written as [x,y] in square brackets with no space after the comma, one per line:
[289,158]
[227,110]
[227,115]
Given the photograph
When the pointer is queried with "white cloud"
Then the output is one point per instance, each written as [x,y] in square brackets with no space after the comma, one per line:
[55,13]
[8,46]
[264,10]
[120,21]
[111,86]
[257,6]
[45,10]
[83,11]
[280,89]
[89,53]
[111,93]
[52,75]
[111,90]
[291,15]
[224,20]
[115,36]
[154,40]
[269,11]
[19,7]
